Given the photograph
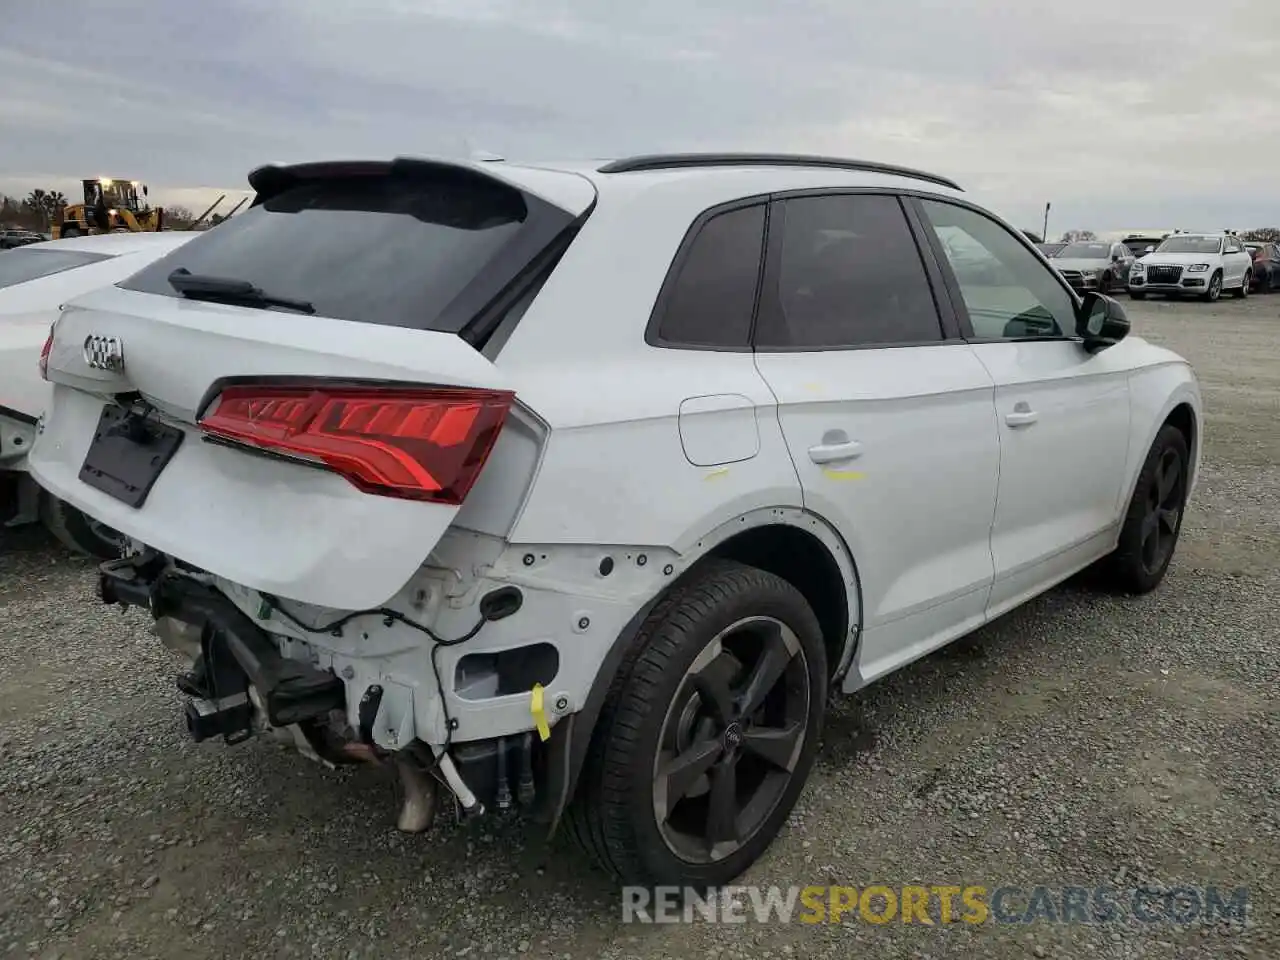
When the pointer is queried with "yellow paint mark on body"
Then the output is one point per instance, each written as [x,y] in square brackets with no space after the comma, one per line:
[842,474]
[539,712]
[717,474]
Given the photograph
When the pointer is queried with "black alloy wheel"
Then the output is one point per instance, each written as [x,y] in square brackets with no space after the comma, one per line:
[730,739]
[1163,515]
[1149,534]
[708,731]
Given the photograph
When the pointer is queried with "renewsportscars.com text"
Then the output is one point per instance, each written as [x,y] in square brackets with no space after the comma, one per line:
[936,904]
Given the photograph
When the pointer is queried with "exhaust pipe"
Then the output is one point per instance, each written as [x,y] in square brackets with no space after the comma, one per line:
[179,636]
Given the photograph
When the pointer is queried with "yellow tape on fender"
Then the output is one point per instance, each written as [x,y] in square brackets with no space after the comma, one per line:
[539,712]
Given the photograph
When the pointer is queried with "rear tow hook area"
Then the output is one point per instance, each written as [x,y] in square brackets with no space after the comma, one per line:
[235,666]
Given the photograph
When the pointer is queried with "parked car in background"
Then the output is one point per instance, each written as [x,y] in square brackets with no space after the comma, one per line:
[1266,265]
[35,280]
[1203,264]
[1142,244]
[10,238]
[1094,265]
[1050,249]
[821,439]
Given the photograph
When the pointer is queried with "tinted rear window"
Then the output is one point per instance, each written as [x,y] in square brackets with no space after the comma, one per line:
[23,264]
[714,293]
[390,249]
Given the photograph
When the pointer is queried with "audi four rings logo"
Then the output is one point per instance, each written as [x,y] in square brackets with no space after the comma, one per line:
[104,353]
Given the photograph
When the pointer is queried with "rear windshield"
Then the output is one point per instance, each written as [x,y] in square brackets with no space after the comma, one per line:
[1085,251]
[25,263]
[1138,246]
[388,249]
[1186,244]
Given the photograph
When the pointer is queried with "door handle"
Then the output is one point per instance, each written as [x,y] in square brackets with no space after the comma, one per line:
[831,452]
[1021,418]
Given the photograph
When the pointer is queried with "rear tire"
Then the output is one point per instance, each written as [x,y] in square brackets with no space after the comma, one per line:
[1149,535]
[725,626]
[79,532]
[1137,294]
[69,231]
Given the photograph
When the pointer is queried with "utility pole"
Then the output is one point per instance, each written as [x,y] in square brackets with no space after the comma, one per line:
[1045,232]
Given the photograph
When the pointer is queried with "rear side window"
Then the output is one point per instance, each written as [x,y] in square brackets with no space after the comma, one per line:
[709,300]
[21,265]
[849,274]
[426,250]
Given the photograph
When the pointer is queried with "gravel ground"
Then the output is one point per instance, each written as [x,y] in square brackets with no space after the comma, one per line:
[1081,740]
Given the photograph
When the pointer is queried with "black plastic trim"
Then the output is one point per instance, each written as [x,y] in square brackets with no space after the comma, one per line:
[665,292]
[18,415]
[677,161]
[933,269]
[496,320]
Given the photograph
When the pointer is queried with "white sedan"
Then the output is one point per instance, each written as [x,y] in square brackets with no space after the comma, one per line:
[35,280]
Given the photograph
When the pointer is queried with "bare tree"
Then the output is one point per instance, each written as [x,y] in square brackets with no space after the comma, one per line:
[178,217]
[1071,236]
[1262,234]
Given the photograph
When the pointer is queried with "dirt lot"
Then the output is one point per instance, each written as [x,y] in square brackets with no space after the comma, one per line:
[1082,740]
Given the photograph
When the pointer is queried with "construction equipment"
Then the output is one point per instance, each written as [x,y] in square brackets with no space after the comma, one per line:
[195,224]
[110,206]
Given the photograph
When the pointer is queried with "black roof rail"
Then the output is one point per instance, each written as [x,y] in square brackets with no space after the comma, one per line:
[673,161]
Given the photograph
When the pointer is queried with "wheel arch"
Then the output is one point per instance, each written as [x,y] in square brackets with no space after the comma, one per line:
[1182,409]
[796,544]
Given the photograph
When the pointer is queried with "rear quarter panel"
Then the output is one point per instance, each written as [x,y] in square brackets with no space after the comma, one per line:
[614,469]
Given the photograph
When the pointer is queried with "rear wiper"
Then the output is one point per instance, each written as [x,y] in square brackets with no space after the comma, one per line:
[200,286]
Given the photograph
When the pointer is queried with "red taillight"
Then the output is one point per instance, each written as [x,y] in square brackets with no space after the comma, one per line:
[44,356]
[420,444]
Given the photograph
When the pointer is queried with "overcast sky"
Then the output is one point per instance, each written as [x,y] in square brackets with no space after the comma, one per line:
[1122,113]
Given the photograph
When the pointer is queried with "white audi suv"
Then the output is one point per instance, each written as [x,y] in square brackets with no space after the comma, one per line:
[579,487]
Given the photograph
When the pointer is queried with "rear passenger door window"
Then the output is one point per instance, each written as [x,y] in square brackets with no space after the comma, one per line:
[709,297]
[845,271]
[1008,292]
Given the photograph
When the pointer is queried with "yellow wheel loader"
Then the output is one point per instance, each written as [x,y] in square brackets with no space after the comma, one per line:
[110,206]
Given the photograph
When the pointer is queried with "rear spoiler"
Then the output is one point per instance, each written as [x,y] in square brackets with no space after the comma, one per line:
[271,179]
[571,192]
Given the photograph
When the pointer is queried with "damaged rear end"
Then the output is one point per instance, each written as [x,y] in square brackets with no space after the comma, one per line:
[288,416]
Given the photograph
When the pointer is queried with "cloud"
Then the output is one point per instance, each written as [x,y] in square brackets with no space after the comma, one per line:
[1117,113]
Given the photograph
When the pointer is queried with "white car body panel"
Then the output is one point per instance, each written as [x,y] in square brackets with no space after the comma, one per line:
[1063,417]
[927,447]
[129,252]
[648,456]
[252,524]
[28,310]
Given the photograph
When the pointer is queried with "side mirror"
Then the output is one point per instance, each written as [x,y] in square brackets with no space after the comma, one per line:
[144,190]
[1101,322]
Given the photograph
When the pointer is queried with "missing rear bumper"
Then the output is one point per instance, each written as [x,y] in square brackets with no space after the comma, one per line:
[234,653]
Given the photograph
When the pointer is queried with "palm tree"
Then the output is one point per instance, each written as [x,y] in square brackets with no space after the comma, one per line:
[55,202]
[37,202]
